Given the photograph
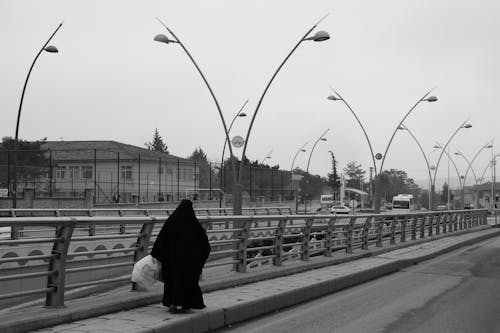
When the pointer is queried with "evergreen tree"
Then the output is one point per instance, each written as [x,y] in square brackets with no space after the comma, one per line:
[333,177]
[157,143]
[355,174]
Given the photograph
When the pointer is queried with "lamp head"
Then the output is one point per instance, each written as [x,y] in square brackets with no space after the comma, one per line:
[431,99]
[436,147]
[162,39]
[51,49]
[242,114]
[319,36]
[323,139]
[468,125]
[401,127]
[457,153]
[433,167]
[333,98]
[488,146]
[303,150]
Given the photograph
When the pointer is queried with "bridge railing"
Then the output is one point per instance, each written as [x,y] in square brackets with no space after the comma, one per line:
[60,254]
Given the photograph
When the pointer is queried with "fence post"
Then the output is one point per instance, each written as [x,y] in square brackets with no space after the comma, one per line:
[329,237]
[403,229]
[455,221]
[431,225]
[242,245]
[56,282]
[350,228]
[305,239]
[142,244]
[278,242]
[394,221]
[380,228]
[366,230]
[439,218]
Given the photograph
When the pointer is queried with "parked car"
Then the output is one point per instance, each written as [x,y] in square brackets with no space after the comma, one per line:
[340,210]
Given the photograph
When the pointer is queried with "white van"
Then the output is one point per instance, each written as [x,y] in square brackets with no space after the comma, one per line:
[403,203]
[326,200]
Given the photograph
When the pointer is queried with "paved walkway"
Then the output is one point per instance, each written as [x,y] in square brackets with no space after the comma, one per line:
[235,297]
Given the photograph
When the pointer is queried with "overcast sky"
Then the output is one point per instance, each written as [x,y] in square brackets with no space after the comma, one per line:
[111,81]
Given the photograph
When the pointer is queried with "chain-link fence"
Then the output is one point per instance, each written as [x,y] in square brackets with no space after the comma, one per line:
[121,176]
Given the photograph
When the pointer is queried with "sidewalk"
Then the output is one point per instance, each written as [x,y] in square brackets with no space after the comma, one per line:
[234,297]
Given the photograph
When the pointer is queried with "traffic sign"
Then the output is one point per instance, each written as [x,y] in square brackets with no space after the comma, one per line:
[237,141]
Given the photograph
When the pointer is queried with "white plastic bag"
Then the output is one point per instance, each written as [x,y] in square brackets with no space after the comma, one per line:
[146,272]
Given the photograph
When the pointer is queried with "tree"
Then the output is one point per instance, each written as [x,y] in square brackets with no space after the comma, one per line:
[157,143]
[355,174]
[206,176]
[31,161]
[333,177]
[444,194]
[394,182]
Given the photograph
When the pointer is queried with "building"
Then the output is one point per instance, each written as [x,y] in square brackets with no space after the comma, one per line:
[116,172]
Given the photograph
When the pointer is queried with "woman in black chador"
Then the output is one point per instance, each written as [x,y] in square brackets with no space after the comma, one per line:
[182,247]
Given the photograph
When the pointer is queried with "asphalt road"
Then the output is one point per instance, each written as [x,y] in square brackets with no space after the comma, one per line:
[458,292]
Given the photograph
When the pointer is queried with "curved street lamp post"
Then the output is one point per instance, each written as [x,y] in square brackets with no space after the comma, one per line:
[237,178]
[450,159]
[319,36]
[301,150]
[49,49]
[377,199]
[321,138]
[465,124]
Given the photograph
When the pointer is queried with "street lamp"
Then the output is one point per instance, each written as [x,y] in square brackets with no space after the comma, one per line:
[301,150]
[450,159]
[321,138]
[486,146]
[319,36]
[465,124]
[240,114]
[405,128]
[425,98]
[237,178]
[166,40]
[49,49]
[267,156]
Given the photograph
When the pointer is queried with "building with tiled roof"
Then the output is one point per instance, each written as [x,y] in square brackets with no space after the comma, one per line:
[116,171]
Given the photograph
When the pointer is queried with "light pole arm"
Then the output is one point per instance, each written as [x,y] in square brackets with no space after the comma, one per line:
[312,149]
[296,154]
[27,78]
[265,91]
[444,148]
[362,127]
[209,88]
[397,127]
[456,169]
[469,167]
[422,150]
[472,161]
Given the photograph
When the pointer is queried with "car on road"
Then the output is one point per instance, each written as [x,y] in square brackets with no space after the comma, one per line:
[340,209]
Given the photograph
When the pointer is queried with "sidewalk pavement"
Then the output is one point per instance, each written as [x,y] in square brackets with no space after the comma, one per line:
[234,297]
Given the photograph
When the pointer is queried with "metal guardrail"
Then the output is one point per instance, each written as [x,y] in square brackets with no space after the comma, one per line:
[236,239]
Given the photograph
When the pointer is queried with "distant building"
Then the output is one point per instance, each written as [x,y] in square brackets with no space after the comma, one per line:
[117,172]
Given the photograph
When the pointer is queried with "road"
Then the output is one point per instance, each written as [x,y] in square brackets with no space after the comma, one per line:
[457,292]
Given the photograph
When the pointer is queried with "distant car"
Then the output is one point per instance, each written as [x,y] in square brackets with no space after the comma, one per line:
[441,207]
[340,210]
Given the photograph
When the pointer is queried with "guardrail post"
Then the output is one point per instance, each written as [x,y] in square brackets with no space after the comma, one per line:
[455,221]
[242,245]
[350,229]
[366,230]
[380,228]
[422,226]
[329,237]
[142,244]
[439,218]
[468,221]
[446,222]
[414,221]
[403,229]
[431,225]
[57,282]
[278,242]
[461,221]
[394,221]
[305,239]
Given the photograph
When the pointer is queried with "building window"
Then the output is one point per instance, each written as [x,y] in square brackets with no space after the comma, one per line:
[86,172]
[126,172]
[60,172]
[74,172]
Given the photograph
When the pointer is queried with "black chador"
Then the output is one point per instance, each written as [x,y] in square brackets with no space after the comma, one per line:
[182,247]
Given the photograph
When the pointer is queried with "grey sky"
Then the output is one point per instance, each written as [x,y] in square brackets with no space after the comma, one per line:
[110,81]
